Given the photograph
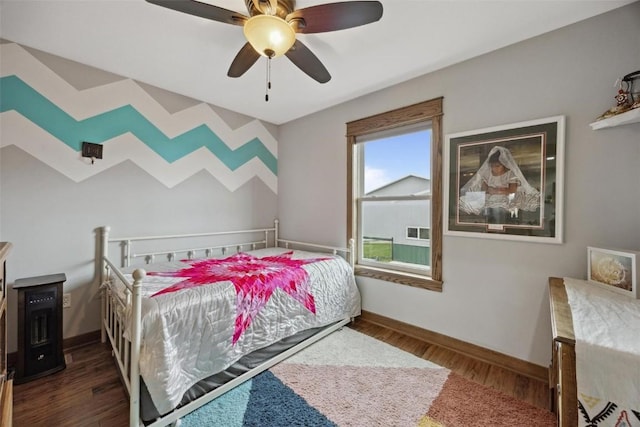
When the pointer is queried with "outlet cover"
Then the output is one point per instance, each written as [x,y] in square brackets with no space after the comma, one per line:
[66,300]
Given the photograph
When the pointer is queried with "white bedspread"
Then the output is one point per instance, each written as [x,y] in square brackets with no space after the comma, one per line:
[607,332]
[188,335]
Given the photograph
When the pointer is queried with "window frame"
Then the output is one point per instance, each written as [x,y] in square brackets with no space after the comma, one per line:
[423,112]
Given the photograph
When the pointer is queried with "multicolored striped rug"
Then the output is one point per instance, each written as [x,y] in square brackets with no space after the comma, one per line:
[351,379]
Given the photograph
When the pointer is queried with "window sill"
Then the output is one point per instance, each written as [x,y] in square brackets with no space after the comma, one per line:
[401,278]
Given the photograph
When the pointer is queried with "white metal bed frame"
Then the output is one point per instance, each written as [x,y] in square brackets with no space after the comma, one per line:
[127,352]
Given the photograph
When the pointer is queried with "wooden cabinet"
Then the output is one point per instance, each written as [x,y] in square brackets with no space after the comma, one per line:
[562,372]
[6,385]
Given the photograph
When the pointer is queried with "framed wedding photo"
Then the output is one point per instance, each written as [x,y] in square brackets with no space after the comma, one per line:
[506,182]
[614,269]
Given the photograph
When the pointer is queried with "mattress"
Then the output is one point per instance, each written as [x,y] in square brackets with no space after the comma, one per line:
[199,317]
[148,411]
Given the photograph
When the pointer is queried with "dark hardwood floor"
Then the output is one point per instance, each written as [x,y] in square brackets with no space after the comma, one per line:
[89,391]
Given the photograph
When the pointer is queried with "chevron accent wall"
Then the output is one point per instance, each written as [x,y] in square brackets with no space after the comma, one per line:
[47,117]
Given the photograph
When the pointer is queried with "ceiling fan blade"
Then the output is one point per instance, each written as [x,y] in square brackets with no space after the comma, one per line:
[243,61]
[304,59]
[335,16]
[203,10]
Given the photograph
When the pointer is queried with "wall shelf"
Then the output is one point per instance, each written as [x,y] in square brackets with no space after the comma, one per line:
[631,116]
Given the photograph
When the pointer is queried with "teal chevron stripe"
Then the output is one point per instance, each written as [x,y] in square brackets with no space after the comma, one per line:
[19,96]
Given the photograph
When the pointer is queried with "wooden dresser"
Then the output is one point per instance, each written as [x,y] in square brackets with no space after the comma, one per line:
[562,372]
[6,384]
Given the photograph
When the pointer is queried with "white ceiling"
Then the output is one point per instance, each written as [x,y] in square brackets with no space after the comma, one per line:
[190,55]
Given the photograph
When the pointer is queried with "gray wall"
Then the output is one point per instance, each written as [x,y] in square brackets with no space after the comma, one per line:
[49,211]
[495,292]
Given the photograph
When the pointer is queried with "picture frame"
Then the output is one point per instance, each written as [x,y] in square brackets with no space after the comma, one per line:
[522,200]
[614,269]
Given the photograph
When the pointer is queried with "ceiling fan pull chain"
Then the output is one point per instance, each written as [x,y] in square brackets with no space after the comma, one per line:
[266,96]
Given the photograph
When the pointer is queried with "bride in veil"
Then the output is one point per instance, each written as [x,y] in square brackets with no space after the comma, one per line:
[499,184]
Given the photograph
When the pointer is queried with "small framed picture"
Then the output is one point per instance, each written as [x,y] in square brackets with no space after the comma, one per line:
[614,269]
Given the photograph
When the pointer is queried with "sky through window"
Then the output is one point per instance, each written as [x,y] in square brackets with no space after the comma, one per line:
[389,159]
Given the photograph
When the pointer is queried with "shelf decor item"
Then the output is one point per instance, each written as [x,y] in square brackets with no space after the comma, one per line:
[633,80]
[614,269]
[506,182]
[626,98]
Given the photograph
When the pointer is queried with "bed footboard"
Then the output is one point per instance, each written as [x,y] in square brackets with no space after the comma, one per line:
[124,333]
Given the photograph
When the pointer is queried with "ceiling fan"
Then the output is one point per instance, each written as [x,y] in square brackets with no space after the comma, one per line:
[272,25]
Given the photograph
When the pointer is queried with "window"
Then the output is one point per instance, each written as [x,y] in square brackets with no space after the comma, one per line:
[395,194]
[420,233]
[412,232]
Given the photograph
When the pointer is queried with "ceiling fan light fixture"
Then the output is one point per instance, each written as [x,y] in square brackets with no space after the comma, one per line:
[272,25]
[270,36]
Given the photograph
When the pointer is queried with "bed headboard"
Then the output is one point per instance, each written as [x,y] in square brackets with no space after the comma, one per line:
[189,245]
[192,245]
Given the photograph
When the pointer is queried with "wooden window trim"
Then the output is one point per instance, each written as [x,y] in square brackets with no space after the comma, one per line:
[421,112]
